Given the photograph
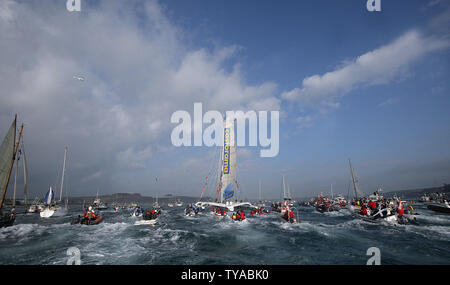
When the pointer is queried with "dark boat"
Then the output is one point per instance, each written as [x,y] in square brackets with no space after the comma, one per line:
[324,208]
[87,221]
[441,208]
[7,220]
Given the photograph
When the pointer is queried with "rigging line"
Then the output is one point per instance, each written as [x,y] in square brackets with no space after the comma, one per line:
[206,184]
[348,190]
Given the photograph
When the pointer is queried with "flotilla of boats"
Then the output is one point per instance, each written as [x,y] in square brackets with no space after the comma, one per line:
[374,208]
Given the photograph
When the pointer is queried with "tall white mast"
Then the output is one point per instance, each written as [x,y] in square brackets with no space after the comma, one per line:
[331,191]
[62,178]
[284,189]
[260,196]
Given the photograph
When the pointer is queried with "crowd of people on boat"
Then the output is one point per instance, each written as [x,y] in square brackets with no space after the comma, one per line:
[324,204]
[151,214]
[89,216]
[289,216]
[238,216]
[259,211]
[382,208]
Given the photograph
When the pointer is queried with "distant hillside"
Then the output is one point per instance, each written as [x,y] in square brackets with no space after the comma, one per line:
[131,197]
[416,193]
[406,194]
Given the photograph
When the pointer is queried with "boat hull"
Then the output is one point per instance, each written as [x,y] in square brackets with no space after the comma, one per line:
[145,222]
[7,221]
[439,208]
[88,222]
[47,213]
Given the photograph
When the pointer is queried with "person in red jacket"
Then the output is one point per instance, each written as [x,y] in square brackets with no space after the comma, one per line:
[291,215]
[364,211]
[242,216]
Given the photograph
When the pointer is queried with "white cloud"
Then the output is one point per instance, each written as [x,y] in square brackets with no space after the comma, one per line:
[380,66]
[389,101]
[137,72]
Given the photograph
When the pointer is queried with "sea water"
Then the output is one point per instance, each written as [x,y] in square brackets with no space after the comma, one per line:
[319,238]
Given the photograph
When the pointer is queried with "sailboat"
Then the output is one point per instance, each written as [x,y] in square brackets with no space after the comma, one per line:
[8,151]
[99,205]
[227,183]
[49,209]
[382,215]
[260,203]
[59,209]
[356,191]
[20,153]
[286,200]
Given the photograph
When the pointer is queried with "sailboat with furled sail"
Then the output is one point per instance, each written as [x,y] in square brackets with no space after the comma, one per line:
[227,183]
[8,151]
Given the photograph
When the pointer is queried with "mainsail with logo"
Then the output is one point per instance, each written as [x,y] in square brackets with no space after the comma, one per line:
[228,179]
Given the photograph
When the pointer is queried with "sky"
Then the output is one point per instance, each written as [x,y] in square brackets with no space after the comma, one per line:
[349,83]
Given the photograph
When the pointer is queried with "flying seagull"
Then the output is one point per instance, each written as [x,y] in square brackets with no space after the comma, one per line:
[78,78]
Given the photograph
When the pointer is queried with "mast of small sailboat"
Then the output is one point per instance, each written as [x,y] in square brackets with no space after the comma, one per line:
[284,188]
[260,199]
[62,177]
[354,181]
[15,182]
[12,155]
[25,173]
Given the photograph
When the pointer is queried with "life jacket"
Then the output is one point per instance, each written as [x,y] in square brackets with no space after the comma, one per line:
[242,216]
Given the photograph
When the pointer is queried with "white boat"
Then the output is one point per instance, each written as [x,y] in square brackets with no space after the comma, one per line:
[145,222]
[35,207]
[179,203]
[170,205]
[98,204]
[227,183]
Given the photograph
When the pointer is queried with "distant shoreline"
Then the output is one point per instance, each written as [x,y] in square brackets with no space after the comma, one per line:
[139,198]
